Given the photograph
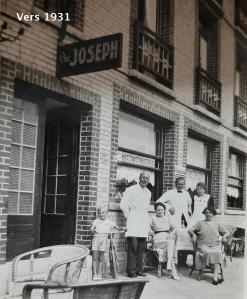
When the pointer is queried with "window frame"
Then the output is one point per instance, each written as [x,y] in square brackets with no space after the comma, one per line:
[158,158]
[208,169]
[239,180]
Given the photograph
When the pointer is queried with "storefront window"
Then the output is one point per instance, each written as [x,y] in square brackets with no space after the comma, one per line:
[141,150]
[235,181]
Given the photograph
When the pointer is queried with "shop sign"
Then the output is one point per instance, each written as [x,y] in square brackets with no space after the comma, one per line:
[89,56]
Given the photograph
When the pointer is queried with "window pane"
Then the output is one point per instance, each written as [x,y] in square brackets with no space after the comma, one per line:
[203,52]
[27,177]
[234,197]
[30,112]
[61,204]
[13,178]
[49,204]
[28,155]
[142,137]
[193,177]
[26,203]
[235,166]
[12,203]
[197,153]
[15,155]
[16,131]
[237,83]
[151,9]
[17,109]
[29,135]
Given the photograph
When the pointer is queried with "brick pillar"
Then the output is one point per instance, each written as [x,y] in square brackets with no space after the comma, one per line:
[6,96]
[170,156]
[87,176]
[216,187]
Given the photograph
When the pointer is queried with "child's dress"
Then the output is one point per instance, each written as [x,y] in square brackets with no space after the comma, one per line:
[163,239]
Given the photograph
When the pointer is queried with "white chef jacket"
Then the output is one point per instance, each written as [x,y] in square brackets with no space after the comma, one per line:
[180,203]
[135,206]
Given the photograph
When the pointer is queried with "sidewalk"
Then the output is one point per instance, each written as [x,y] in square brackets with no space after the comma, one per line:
[191,288]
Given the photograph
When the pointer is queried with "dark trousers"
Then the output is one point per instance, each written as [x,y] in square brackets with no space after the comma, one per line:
[136,248]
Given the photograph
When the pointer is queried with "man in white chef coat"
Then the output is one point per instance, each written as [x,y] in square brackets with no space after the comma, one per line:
[135,206]
[179,202]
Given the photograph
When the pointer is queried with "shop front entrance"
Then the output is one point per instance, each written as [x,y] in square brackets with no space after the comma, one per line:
[59,177]
[43,169]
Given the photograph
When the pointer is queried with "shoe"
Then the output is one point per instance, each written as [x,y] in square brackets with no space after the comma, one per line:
[214,282]
[220,280]
[175,277]
[95,277]
[141,274]
[99,277]
[132,275]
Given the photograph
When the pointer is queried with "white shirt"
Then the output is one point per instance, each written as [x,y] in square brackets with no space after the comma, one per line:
[200,203]
[180,202]
[103,226]
[135,206]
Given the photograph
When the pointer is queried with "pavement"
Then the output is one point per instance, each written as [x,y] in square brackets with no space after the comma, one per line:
[187,287]
[191,288]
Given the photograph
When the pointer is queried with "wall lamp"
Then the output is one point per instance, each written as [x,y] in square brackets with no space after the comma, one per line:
[4,36]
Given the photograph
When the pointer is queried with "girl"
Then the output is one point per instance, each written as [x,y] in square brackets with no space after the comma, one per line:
[164,240]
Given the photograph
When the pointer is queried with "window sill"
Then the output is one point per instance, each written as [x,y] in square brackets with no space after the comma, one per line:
[201,110]
[71,30]
[239,131]
[235,212]
[135,75]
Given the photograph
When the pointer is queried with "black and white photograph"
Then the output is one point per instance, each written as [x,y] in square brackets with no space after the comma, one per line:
[123,149]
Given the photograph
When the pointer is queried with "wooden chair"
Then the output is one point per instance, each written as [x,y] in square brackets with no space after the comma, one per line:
[112,289]
[204,270]
[60,264]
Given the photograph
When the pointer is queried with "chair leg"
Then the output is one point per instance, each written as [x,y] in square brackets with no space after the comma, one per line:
[200,275]
[221,272]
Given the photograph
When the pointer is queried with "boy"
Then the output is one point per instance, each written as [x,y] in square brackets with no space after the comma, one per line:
[100,228]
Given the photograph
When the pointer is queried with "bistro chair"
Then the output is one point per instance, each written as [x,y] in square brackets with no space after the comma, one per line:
[59,265]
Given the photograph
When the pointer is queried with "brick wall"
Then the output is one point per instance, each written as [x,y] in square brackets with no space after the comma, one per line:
[6,95]
[89,143]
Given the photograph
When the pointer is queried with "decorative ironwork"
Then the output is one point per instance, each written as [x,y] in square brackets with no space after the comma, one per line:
[241,19]
[240,113]
[208,91]
[152,55]
[6,37]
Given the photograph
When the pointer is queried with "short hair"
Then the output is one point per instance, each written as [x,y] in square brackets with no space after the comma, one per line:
[210,209]
[159,204]
[101,208]
[180,178]
[201,185]
[144,172]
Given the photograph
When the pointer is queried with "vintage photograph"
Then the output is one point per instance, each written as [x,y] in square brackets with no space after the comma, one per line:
[123,149]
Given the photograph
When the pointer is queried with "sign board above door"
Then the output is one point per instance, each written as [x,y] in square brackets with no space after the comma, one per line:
[89,56]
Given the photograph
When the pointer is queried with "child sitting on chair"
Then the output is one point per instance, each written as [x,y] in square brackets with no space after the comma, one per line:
[164,240]
[100,228]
